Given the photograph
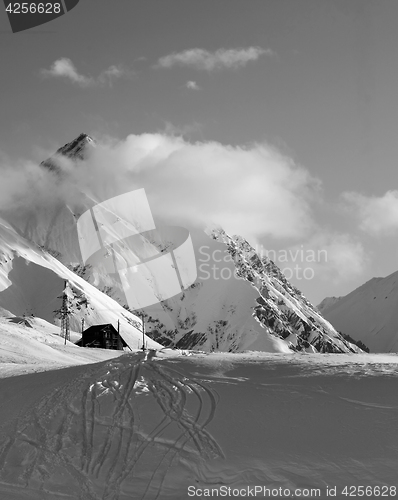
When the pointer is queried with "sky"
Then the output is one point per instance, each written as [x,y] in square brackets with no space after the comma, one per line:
[276,119]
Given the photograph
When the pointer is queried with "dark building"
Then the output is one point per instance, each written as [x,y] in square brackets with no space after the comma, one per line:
[103,337]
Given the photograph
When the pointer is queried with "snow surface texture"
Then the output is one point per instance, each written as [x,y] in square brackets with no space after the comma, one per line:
[368,313]
[149,427]
[261,311]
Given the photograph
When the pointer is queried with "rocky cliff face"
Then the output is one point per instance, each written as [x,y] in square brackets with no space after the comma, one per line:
[281,308]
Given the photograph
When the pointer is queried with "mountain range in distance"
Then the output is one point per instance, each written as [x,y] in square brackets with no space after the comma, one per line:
[369,313]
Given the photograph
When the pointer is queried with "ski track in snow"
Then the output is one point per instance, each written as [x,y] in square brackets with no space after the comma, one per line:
[89,437]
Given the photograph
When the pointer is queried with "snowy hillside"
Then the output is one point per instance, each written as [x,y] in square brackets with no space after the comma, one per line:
[32,282]
[149,428]
[368,313]
[30,344]
[260,311]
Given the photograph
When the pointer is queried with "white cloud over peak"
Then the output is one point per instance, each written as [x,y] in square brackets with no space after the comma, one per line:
[378,215]
[202,59]
[64,68]
[254,191]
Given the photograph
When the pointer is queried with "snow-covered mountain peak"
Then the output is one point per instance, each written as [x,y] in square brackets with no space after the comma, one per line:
[76,150]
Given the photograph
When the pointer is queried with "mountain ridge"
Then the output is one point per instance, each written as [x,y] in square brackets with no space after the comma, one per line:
[369,313]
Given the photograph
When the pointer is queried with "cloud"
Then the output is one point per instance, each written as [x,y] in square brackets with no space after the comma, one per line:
[378,215]
[345,259]
[112,73]
[249,190]
[192,85]
[220,59]
[64,68]
[26,187]
[186,130]
[329,255]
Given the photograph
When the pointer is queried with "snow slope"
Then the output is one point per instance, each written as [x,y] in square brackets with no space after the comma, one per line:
[32,283]
[150,428]
[369,314]
[31,344]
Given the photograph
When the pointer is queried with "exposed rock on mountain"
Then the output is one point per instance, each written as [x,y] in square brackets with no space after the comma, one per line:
[76,150]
